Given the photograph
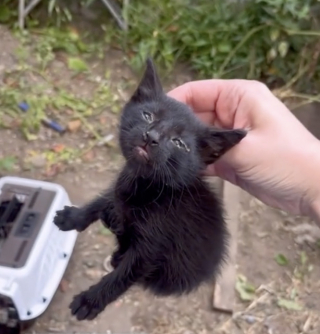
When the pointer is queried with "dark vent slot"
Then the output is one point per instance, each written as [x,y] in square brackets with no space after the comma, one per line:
[9,210]
[20,251]
[27,224]
[34,198]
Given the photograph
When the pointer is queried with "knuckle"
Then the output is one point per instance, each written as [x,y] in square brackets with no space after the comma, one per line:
[258,85]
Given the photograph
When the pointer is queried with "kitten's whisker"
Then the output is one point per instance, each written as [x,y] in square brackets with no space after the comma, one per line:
[163,186]
[171,201]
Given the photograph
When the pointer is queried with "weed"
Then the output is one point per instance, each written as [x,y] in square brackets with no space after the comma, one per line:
[7,163]
[77,64]
[225,39]
[245,289]
[281,260]
[303,268]
[289,304]
[32,87]
[255,39]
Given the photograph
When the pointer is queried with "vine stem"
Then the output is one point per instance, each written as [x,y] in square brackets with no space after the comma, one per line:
[238,46]
[303,33]
[87,125]
[310,98]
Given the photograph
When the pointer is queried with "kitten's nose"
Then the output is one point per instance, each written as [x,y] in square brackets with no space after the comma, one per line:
[152,137]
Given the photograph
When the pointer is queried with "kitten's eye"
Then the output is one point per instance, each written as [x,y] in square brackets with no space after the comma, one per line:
[179,143]
[148,117]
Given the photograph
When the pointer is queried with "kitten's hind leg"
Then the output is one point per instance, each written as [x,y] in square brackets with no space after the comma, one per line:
[116,258]
[88,304]
[73,218]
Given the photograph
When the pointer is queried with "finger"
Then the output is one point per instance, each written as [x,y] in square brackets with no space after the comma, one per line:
[200,95]
[215,101]
[203,95]
[187,94]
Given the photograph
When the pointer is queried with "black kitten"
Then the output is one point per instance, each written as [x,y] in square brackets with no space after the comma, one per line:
[169,225]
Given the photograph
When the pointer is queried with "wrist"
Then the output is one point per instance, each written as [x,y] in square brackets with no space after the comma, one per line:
[314,211]
[313,201]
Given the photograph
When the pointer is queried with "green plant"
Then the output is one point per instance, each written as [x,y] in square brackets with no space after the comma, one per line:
[7,11]
[273,40]
[250,39]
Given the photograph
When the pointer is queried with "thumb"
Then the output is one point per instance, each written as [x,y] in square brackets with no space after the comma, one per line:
[223,170]
[210,171]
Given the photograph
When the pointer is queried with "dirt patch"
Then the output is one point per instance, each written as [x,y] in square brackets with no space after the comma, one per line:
[264,233]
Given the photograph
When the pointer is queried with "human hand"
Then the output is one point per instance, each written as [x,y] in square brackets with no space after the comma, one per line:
[278,161]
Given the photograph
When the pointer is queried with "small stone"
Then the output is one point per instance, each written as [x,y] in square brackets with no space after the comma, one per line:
[89,264]
[93,274]
[58,148]
[103,120]
[250,319]
[56,329]
[74,126]
[38,161]
[262,235]
[118,303]
[106,140]
[53,170]
[64,284]
[89,156]
[57,318]
[26,166]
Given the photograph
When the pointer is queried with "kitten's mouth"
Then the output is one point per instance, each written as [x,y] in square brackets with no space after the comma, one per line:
[142,153]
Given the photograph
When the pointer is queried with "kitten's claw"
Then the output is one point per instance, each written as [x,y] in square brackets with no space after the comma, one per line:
[68,219]
[86,305]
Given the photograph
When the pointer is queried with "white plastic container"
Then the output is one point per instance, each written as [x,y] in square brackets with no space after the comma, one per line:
[30,287]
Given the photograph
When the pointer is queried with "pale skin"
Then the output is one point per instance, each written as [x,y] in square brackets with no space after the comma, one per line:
[278,161]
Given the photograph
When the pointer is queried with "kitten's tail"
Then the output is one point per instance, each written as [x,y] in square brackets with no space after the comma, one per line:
[113,285]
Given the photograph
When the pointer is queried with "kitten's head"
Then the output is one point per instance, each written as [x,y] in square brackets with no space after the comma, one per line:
[162,139]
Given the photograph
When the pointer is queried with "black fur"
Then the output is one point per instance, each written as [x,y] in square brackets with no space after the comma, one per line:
[169,225]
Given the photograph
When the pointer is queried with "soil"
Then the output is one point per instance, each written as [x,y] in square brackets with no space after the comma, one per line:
[263,234]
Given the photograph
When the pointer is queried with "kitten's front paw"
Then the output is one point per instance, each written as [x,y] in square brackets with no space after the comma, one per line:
[86,305]
[68,219]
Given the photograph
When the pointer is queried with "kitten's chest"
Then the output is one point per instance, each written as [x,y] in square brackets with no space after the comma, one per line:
[145,195]
[146,203]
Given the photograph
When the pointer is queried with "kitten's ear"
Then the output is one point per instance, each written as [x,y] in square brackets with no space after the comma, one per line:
[150,86]
[215,142]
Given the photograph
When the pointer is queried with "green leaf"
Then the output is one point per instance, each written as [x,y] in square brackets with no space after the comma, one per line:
[7,163]
[289,304]
[281,260]
[272,54]
[77,64]
[274,34]
[51,6]
[29,136]
[246,290]
[104,231]
[283,48]
[303,258]
[224,47]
